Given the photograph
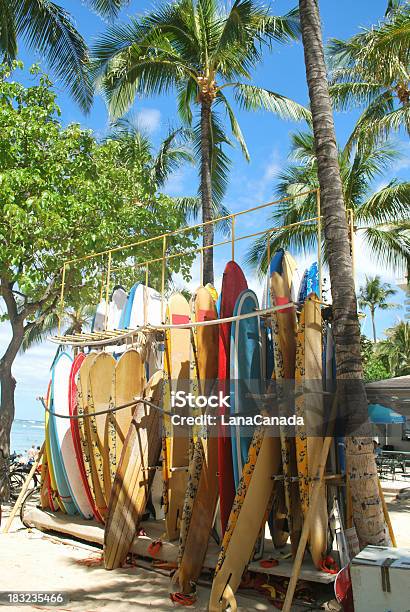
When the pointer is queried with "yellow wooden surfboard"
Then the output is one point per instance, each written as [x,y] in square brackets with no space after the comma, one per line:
[92,459]
[102,433]
[128,383]
[247,517]
[284,343]
[314,419]
[202,495]
[134,476]
[176,442]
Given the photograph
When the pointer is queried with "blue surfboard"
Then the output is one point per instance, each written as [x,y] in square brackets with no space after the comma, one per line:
[245,374]
[126,313]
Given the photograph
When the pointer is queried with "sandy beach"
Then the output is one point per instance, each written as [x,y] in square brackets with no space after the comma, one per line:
[32,560]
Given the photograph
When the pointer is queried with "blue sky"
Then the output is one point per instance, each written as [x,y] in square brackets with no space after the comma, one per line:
[250,183]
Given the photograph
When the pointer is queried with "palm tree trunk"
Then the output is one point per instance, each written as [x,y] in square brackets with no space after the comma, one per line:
[206,191]
[366,504]
[373,325]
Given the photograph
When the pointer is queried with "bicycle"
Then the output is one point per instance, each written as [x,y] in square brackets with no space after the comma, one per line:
[33,496]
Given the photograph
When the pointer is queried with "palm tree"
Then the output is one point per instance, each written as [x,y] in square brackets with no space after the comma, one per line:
[361,466]
[396,349]
[371,69]
[136,150]
[201,50]
[72,321]
[47,28]
[382,218]
[374,294]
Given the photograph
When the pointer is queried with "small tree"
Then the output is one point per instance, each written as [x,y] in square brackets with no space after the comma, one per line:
[374,294]
[62,196]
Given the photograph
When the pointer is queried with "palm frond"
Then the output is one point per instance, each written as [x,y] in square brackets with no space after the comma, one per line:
[251,98]
[390,244]
[8,34]
[49,29]
[235,127]
[387,205]
[108,8]
[173,153]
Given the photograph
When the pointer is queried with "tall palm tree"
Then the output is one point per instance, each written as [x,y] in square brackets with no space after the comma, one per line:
[49,29]
[374,294]
[371,70]
[382,218]
[396,349]
[361,466]
[201,49]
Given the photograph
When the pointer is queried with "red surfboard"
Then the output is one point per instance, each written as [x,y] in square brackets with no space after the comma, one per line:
[233,283]
[72,401]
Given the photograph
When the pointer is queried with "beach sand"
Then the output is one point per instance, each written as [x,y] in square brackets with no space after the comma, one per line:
[32,560]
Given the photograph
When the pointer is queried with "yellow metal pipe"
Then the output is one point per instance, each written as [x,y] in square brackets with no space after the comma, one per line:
[164,248]
[319,243]
[61,298]
[107,289]
[233,238]
[190,228]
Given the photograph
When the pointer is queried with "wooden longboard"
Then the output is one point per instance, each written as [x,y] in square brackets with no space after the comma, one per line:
[75,431]
[130,490]
[247,517]
[314,418]
[202,496]
[92,460]
[102,434]
[284,343]
[128,383]
[233,283]
[176,442]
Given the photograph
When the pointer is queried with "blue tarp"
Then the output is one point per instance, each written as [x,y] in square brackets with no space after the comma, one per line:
[381,415]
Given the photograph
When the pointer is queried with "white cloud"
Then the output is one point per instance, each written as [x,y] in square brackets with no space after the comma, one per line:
[148,119]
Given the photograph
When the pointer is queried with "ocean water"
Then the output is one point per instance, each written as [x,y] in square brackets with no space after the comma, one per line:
[26,433]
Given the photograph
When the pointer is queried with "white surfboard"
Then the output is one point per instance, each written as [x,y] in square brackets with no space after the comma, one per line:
[117,304]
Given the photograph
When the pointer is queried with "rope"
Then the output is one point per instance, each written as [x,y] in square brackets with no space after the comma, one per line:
[108,411]
[165,326]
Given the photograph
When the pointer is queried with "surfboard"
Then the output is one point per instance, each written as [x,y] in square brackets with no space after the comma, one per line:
[128,383]
[245,373]
[75,432]
[248,515]
[99,319]
[284,342]
[134,476]
[55,501]
[87,431]
[102,435]
[176,440]
[146,310]
[126,312]
[61,392]
[146,307]
[314,419]
[200,503]
[116,306]
[233,283]
[312,280]
[57,428]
